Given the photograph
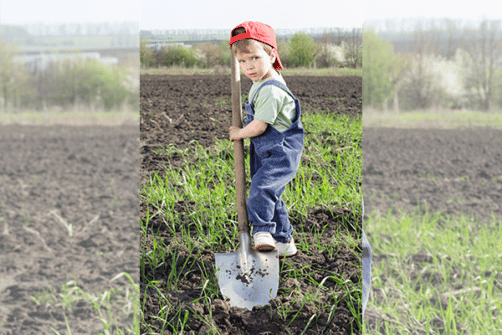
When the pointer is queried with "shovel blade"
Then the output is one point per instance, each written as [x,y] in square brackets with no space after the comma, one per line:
[248,277]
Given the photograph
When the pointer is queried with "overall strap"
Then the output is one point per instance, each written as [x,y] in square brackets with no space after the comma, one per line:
[275,83]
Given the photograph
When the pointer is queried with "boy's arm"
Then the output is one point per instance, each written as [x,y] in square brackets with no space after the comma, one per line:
[253,129]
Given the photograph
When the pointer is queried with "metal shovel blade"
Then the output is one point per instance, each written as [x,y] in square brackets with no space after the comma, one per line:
[248,277]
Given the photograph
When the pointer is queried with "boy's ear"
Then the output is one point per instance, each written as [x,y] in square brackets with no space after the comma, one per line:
[273,55]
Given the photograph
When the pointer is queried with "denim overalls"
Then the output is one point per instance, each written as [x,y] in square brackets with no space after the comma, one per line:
[274,161]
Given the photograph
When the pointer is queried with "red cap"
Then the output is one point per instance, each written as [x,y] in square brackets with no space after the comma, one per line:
[261,32]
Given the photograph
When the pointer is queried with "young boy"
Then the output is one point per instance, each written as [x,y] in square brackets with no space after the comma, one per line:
[276,133]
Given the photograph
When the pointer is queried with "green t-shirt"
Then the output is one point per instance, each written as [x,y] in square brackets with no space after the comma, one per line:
[273,105]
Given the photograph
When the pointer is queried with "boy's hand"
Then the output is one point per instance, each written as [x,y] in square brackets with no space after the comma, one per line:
[234,133]
[253,129]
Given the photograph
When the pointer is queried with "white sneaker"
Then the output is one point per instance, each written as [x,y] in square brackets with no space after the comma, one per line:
[264,241]
[286,249]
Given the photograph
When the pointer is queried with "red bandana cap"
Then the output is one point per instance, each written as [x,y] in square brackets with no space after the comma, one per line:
[261,32]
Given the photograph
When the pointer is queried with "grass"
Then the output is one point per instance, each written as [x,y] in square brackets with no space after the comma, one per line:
[176,70]
[208,180]
[337,72]
[75,117]
[204,186]
[442,119]
[110,307]
[433,272]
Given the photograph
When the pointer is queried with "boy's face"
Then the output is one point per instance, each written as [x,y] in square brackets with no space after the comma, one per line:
[256,64]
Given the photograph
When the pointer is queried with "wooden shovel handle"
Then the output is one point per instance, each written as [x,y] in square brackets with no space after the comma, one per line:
[240,172]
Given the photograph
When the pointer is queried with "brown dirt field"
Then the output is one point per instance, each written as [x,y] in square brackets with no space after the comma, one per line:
[89,176]
[453,170]
[181,109]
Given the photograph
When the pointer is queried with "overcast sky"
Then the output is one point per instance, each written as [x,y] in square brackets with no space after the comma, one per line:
[226,14]
[467,11]
[21,12]
[187,14]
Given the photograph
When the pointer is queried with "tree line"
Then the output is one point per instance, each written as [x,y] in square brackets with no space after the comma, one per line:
[191,35]
[330,50]
[447,66]
[82,29]
[65,83]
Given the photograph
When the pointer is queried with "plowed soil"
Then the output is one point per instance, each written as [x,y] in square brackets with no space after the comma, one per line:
[454,170]
[181,109]
[86,176]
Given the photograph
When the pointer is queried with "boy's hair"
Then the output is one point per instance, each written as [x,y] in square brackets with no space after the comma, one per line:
[242,45]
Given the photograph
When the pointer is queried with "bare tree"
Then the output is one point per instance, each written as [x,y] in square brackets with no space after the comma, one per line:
[398,70]
[335,36]
[420,88]
[325,57]
[14,78]
[328,37]
[340,35]
[7,53]
[484,46]
[211,53]
[417,83]
[355,42]
[454,37]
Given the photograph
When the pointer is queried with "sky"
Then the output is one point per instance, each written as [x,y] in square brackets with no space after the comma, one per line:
[466,11]
[226,14]
[21,12]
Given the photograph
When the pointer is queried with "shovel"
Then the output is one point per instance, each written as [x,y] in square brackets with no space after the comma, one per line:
[247,277]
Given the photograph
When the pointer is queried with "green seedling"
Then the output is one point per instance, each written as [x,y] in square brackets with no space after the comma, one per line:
[68,329]
[428,175]
[68,226]
[443,291]
[193,206]
[26,217]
